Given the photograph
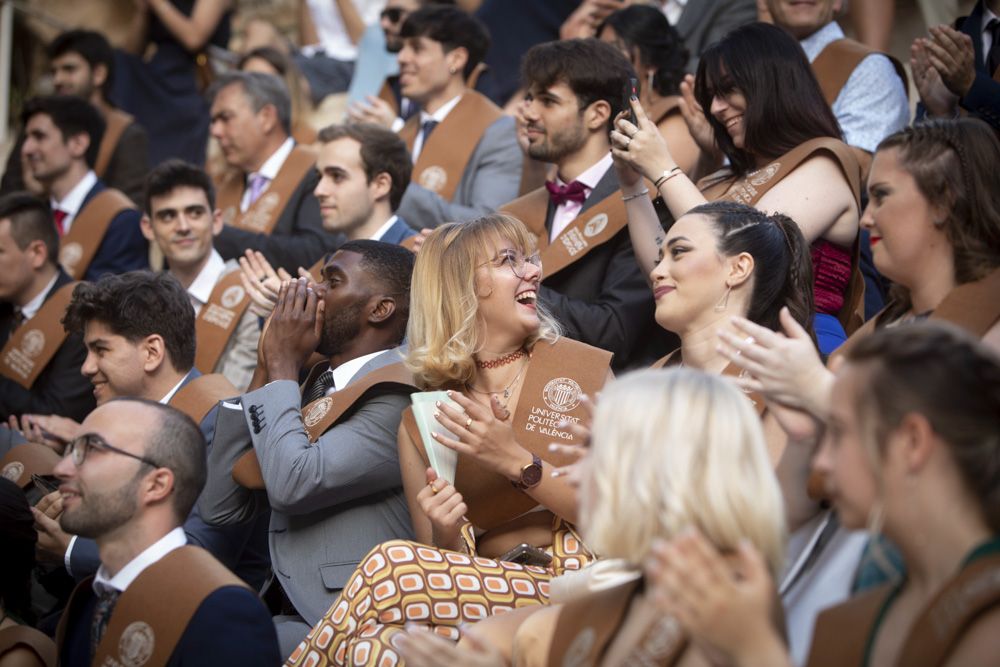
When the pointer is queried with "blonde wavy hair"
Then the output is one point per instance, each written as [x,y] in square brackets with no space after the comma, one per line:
[674,449]
[443,332]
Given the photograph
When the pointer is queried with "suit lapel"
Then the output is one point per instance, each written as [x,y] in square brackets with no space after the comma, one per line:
[607,185]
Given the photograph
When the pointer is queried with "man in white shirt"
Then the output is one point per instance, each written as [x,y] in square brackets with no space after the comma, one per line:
[181,219]
[128,482]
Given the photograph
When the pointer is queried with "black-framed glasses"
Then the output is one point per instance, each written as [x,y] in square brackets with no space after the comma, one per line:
[78,447]
[517,261]
[392,14]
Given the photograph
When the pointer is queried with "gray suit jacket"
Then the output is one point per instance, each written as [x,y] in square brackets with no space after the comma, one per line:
[331,502]
[705,22]
[491,178]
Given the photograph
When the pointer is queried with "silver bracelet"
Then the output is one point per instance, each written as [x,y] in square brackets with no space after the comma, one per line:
[643,193]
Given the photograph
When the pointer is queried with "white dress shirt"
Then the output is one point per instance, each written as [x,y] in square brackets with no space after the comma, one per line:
[568,210]
[31,308]
[377,236]
[345,372]
[153,553]
[270,169]
[73,201]
[673,9]
[987,35]
[439,116]
[201,289]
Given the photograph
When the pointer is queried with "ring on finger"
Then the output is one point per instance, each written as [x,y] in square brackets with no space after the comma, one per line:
[628,140]
[468,423]
[434,489]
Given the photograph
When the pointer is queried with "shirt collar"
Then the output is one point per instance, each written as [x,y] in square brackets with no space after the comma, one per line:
[73,200]
[31,308]
[442,112]
[818,41]
[987,17]
[345,372]
[201,289]
[593,174]
[170,394]
[153,553]
[384,229]
[273,164]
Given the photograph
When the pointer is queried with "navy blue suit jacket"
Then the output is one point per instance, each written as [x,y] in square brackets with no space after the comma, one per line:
[242,547]
[983,99]
[399,232]
[231,627]
[124,248]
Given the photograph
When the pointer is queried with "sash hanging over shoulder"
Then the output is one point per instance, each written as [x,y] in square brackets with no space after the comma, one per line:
[838,60]
[29,349]
[117,122]
[320,415]
[79,246]
[444,156]
[218,319]
[197,398]
[263,214]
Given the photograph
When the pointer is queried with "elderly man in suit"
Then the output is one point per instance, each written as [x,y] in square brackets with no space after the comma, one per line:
[327,457]
[128,482]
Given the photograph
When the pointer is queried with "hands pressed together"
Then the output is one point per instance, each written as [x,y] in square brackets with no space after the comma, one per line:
[944,69]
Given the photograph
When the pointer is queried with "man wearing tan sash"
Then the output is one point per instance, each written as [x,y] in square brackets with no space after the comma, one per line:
[127,482]
[266,199]
[591,281]
[99,226]
[181,219]
[327,454]
[81,63]
[32,285]
[139,333]
[466,159]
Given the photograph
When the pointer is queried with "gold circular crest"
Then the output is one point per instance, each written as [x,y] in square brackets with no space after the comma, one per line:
[578,651]
[562,394]
[13,471]
[136,644]
[765,174]
[232,296]
[433,178]
[317,411]
[595,225]
[33,342]
[70,256]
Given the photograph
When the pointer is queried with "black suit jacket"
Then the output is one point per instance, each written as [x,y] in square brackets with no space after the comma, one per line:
[231,627]
[123,249]
[60,388]
[603,299]
[298,238]
[983,99]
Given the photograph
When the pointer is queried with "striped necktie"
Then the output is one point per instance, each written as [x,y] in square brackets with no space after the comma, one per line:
[319,389]
[102,614]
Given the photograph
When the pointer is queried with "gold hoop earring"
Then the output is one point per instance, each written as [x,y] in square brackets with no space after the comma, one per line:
[724,301]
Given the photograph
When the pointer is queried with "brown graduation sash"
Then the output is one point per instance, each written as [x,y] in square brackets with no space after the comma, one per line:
[27,637]
[80,244]
[27,459]
[218,319]
[386,95]
[593,227]
[263,214]
[152,614]
[445,154]
[838,60]
[116,121]
[556,377]
[320,415]
[199,396]
[31,347]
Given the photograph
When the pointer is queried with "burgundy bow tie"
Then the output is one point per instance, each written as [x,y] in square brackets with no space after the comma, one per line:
[560,194]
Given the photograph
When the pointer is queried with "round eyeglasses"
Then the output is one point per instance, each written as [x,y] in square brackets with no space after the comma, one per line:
[517,261]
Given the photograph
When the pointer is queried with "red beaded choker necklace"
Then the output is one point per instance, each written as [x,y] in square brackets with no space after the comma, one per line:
[501,361]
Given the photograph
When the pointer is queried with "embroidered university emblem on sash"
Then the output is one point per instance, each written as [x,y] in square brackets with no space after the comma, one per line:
[317,412]
[22,361]
[433,178]
[70,256]
[33,343]
[765,174]
[595,225]
[136,644]
[562,394]
[573,240]
[258,217]
[13,471]
[232,296]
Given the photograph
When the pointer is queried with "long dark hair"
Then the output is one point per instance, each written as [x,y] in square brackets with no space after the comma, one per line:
[646,28]
[785,106]
[782,273]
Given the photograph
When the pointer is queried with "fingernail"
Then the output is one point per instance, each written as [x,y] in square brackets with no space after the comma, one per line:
[437,404]
[561,424]
[450,393]
[436,414]
[558,473]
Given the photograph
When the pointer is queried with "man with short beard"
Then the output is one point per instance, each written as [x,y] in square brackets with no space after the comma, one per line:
[591,281]
[326,455]
[128,482]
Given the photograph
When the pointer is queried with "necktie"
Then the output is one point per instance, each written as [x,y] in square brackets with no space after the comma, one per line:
[319,389]
[426,128]
[257,184]
[560,194]
[993,57]
[60,219]
[102,614]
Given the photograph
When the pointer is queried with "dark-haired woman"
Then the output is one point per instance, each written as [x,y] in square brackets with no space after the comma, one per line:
[658,55]
[767,114]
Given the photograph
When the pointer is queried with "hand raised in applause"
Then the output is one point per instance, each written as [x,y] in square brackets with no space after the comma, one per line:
[373,110]
[261,282]
[938,100]
[444,506]
[953,56]
[294,329]
[694,115]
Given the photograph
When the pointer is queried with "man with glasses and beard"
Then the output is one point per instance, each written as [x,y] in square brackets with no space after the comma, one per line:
[128,482]
[324,458]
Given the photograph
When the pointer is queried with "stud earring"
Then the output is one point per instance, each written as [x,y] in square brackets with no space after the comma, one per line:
[724,301]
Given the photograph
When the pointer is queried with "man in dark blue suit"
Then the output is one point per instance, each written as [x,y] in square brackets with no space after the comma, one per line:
[363,172]
[139,332]
[127,482]
[62,135]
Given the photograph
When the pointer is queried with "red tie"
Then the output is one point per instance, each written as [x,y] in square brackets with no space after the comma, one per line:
[560,194]
[60,218]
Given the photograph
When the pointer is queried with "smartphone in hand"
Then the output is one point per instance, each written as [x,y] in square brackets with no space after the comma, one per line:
[630,90]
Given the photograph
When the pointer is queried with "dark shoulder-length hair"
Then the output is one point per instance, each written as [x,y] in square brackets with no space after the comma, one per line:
[785,106]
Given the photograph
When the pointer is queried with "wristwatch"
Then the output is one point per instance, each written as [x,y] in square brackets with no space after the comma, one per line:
[531,475]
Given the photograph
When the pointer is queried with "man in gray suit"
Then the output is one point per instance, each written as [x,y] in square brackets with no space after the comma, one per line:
[442,47]
[334,499]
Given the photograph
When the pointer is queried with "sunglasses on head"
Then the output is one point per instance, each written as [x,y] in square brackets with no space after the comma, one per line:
[392,14]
